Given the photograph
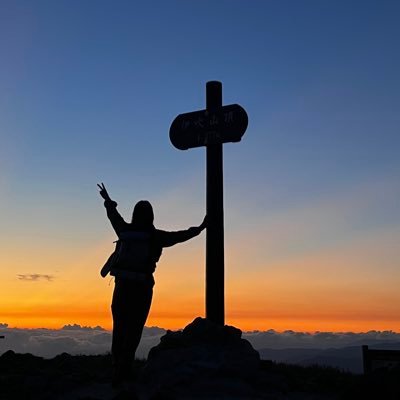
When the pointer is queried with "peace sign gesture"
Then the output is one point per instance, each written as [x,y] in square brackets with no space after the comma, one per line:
[103,192]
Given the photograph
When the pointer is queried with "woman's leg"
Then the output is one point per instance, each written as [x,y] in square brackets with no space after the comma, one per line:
[140,307]
[130,308]
[120,314]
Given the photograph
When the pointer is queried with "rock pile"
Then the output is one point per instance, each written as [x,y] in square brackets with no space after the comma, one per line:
[205,360]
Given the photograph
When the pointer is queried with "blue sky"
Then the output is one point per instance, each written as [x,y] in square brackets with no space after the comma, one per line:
[88,90]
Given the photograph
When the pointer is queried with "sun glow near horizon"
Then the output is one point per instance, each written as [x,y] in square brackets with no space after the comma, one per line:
[88,319]
[338,285]
[273,299]
[296,281]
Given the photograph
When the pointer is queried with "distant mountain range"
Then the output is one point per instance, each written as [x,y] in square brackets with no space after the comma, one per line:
[346,358]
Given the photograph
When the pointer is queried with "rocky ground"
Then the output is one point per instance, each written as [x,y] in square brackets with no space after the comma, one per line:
[65,377]
[203,361]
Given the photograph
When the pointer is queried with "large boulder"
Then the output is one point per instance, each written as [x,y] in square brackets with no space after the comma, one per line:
[203,356]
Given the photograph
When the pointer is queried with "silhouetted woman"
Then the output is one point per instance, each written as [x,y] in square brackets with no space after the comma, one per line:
[138,249]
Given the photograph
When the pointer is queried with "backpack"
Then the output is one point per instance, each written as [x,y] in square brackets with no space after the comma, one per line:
[131,257]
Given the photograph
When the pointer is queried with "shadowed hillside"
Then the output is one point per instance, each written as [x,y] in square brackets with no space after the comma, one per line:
[346,358]
[24,376]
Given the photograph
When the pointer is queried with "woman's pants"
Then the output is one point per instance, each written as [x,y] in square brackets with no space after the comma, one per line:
[130,307]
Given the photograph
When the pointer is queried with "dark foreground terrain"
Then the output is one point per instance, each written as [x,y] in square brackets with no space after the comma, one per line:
[65,377]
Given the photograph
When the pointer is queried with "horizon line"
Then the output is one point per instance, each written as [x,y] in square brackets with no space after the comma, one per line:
[75,326]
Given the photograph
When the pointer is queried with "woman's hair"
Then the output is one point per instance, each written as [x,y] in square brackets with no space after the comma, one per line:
[143,216]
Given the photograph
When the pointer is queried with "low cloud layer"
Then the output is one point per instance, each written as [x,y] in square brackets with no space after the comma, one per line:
[35,277]
[319,340]
[72,339]
[76,339]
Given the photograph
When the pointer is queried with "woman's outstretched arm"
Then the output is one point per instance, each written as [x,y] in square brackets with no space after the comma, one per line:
[113,215]
[168,239]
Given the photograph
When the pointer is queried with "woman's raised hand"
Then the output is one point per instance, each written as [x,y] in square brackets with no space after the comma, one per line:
[103,192]
[204,223]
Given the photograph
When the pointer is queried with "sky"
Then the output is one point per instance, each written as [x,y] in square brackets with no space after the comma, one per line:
[88,91]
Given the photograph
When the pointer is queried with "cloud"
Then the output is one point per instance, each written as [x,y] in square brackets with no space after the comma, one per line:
[35,277]
[75,339]
[318,340]
[76,327]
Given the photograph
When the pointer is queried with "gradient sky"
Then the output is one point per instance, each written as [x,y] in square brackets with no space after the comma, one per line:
[88,90]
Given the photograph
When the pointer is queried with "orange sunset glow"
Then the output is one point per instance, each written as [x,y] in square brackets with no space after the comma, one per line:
[305,294]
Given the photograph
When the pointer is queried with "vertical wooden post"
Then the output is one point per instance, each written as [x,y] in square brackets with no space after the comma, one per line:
[215,308]
[366,360]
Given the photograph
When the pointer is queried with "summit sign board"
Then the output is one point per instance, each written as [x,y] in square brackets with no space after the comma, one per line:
[206,127]
[211,128]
